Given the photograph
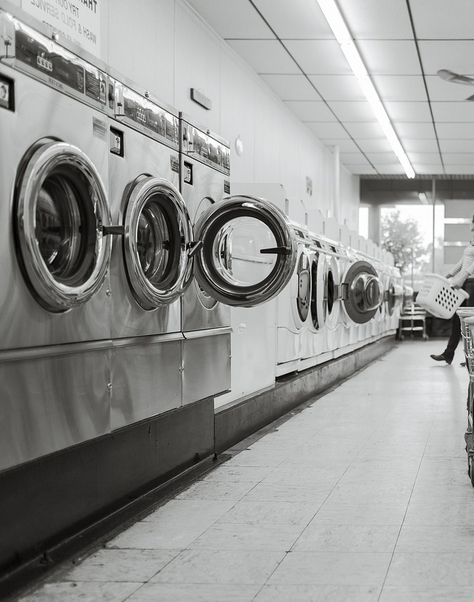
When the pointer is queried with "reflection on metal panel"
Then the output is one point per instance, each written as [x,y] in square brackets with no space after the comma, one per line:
[206,367]
[50,402]
[146,378]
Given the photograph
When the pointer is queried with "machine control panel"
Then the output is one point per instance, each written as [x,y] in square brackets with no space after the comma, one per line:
[143,114]
[37,55]
[204,147]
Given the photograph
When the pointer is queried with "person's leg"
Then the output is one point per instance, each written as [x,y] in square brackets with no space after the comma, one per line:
[455,336]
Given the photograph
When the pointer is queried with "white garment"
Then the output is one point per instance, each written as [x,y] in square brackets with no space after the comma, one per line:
[464,269]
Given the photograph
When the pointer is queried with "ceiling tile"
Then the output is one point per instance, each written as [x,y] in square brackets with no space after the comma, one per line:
[376,20]
[291,87]
[345,145]
[426,158]
[382,158]
[458,169]
[375,145]
[420,146]
[354,158]
[422,169]
[439,19]
[364,169]
[295,20]
[365,130]
[453,112]
[265,56]
[392,169]
[358,111]
[326,130]
[311,111]
[233,18]
[451,131]
[453,55]
[408,112]
[319,57]
[457,146]
[400,87]
[415,130]
[459,158]
[338,87]
[390,57]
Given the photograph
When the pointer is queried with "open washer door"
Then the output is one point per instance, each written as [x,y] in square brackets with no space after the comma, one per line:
[61,216]
[393,295]
[247,251]
[362,292]
[318,304]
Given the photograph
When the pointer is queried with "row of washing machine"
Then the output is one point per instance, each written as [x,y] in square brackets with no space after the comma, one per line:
[121,258]
[118,265]
[344,294]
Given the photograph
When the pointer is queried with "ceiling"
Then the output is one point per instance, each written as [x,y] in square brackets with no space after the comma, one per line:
[403,44]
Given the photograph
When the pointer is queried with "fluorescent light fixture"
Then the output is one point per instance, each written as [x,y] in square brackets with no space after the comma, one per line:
[344,38]
[457,220]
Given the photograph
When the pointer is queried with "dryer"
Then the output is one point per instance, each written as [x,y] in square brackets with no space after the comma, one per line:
[149,267]
[55,346]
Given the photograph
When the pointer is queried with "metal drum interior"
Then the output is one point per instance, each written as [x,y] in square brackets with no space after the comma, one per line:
[156,243]
[61,210]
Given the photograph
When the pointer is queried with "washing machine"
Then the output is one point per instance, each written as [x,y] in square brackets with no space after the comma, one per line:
[293,314]
[205,322]
[333,323]
[393,299]
[149,269]
[349,331]
[362,292]
[55,245]
[314,349]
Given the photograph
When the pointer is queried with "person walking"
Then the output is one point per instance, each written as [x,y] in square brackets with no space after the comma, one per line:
[462,275]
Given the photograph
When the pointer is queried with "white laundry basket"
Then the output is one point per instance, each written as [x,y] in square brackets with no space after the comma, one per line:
[438,297]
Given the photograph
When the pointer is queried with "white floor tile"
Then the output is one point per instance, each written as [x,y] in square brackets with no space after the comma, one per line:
[332,568]
[220,566]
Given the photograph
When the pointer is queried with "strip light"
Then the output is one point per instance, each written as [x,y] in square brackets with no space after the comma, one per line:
[344,38]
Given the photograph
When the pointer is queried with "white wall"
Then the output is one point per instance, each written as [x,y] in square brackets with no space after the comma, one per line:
[165,47]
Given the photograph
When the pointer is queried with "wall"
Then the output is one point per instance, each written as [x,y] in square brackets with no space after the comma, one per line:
[183,52]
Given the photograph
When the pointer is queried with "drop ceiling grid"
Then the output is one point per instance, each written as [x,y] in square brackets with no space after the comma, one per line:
[403,44]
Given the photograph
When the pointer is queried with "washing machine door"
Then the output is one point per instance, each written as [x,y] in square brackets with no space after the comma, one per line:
[318,305]
[61,209]
[247,251]
[331,304]
[157,242]
[393,296]
[362,292]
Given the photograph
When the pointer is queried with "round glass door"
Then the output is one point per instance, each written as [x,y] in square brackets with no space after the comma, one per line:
[393,295]
[363,292]
[157,239]
[304,287]
[247,253]
[317,305]
[331,307]
[61,209]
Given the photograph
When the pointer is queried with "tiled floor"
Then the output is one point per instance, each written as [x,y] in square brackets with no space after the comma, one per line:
[362,496]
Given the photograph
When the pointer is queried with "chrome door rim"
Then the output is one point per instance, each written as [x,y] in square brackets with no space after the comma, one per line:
[54,295]
[148,295]
[207,229]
